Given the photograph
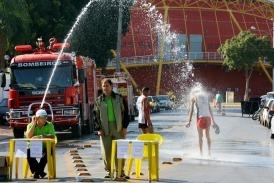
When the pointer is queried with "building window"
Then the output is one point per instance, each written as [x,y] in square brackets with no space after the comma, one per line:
[195,47]
[174,47]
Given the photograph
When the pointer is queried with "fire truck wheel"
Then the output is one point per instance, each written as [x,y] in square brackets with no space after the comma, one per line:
[89,126]
[90,121]
[18,133]
[76,131]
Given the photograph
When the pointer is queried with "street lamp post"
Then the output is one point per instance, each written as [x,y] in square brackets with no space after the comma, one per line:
[272,47]
[119,35]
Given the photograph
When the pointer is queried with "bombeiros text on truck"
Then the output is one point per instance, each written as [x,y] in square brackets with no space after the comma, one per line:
[70,96]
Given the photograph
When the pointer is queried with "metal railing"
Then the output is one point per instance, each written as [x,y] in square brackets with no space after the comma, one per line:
[149,59]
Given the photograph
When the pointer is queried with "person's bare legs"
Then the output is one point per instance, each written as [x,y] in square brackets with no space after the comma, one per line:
[219,107]
[208,140]
[200,134]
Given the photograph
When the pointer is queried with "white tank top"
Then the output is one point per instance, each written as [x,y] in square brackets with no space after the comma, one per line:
[202,105]
[141,115]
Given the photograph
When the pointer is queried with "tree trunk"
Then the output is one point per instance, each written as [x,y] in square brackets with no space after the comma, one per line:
[247,78]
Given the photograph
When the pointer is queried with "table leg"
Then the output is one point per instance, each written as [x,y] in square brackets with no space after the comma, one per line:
[113,153]
[155,162]
[129,166]
[11,154]
[16,167]
[129,160]
[149,161]
[50,167]
[53,159]
[119,168]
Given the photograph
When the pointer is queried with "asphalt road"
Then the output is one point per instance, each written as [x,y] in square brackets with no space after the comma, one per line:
[242,152]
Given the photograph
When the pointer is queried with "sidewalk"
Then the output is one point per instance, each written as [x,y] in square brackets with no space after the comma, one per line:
[231,104]
[5,132]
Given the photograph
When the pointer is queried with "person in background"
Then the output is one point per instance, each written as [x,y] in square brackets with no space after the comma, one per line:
[200,99]
[39,128]
[219,100]
[112,118]
[144,122]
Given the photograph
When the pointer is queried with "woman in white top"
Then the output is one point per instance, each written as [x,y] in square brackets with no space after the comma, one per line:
[200,99]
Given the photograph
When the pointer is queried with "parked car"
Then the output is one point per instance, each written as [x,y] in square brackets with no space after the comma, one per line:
[263,100]
[268,96]
[3,111]
[165,102]
[267,113]
[258,114]
[154,104]
[157,101]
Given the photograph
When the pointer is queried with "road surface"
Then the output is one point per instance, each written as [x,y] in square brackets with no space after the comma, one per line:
[242,152]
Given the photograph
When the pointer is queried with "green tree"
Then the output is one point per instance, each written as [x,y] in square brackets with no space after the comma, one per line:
[24,21]
[52,17]
[14,24]
[243,51]
[97,34]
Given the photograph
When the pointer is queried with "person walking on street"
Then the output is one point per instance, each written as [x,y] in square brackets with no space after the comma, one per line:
[144,121]
[200,100]
[219,100]
[112,122]
[39,128]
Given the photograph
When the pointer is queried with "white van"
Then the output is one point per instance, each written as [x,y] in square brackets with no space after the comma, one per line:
[165,102]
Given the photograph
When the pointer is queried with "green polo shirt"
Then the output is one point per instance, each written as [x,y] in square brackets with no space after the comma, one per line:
[47,129]
[111,115]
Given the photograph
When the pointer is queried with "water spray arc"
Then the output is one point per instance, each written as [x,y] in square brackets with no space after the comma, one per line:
[78,19]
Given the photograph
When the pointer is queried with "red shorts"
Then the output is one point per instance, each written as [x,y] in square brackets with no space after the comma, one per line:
[203,122]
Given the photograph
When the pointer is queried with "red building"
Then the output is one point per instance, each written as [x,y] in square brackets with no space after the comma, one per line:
[168,37]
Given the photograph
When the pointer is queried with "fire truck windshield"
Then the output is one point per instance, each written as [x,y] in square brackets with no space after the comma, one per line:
[38,77]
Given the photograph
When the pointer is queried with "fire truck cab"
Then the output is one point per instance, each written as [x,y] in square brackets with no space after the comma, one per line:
[62,83]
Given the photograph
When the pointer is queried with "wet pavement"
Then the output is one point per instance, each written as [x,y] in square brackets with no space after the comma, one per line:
[242,151]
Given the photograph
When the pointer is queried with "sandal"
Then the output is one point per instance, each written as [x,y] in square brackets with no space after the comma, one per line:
[216,128]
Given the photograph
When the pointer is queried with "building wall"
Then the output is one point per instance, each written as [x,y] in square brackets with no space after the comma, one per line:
[212,21]
[198,27]
[213,77]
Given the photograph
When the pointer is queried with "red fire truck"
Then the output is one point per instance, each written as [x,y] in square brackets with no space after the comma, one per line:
[62,83]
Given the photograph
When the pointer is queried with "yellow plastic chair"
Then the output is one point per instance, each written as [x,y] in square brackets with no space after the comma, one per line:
[138,162]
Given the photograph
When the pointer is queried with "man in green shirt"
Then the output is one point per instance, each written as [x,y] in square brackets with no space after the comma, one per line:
[39,128]
[112,122]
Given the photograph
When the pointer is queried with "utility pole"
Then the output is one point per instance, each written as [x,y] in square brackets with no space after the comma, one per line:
[272,47]
[119,36]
